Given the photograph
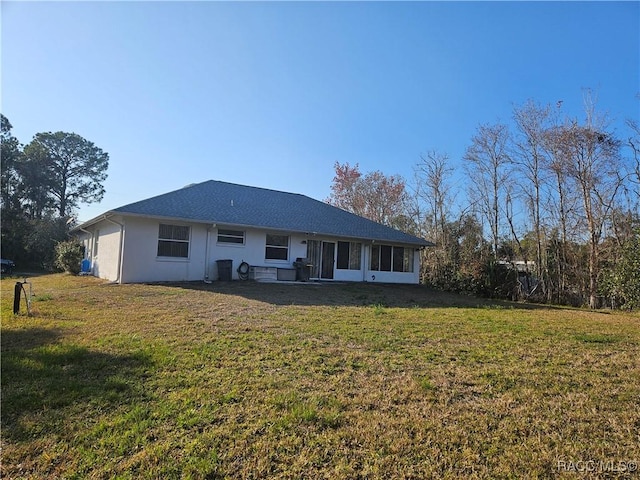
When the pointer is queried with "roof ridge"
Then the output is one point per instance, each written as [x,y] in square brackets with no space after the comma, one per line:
[254,187]
[211,181]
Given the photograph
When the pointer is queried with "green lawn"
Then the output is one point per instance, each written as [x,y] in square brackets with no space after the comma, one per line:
[248,380]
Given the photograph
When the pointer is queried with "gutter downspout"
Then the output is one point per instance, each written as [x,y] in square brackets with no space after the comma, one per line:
[120,248]
[206,254]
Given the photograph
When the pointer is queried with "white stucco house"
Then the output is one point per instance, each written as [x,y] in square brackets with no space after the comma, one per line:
[188,234]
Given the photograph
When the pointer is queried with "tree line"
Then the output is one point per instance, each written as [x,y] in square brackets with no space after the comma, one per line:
[42,185]
[551,209]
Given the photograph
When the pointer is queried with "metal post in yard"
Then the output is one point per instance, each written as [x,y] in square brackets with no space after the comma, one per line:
[17,291]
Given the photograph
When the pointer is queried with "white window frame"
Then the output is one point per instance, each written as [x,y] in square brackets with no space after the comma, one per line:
[276,247]
[172,239]
[227,237]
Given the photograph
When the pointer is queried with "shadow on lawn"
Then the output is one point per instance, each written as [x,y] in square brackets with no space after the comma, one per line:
[351,294]
[42,377]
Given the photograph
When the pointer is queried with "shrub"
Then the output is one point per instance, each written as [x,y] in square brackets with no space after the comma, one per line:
[621,282]
[69,254]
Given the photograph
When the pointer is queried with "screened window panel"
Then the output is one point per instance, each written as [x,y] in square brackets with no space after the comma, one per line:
[342,261]
[314,255]
[398,259]
[385,258]
[355,254]
[375,258]
[408,260]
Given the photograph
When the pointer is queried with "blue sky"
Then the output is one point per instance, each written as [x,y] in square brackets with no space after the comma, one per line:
[272,94]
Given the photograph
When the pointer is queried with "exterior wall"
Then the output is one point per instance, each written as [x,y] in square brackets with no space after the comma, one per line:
[105,263]
[140,262]
[102,249]
[252,252]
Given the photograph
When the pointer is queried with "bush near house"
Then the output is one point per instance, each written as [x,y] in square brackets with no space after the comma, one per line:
[254,380]
[69,254]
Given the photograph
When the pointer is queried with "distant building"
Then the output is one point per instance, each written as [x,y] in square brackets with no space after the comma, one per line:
[525,273]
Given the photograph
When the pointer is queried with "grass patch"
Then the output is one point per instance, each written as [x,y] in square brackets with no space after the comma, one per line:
[379,309]
[250,380]
[598,338]
[42,298]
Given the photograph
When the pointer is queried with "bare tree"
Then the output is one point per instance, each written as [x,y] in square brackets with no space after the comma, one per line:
[559,207]
[433,189]
[488,159]
[532,121]
[634,144]
[593,164]
[432,174]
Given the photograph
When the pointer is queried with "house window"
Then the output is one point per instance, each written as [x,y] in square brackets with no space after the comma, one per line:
[386,258]
[348,255]
[231,236]
[277,247]
[173,241]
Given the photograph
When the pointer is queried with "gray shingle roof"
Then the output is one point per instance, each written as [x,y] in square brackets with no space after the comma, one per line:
[231,204]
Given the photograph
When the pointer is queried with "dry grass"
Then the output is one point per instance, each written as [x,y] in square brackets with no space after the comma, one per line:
[247,380]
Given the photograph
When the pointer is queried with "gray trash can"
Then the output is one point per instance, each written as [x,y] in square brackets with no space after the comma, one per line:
[224,270]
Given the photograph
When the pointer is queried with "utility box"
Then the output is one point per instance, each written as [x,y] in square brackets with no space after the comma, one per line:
[224,270]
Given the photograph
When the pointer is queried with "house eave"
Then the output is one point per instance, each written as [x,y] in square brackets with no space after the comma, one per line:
[111,213]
